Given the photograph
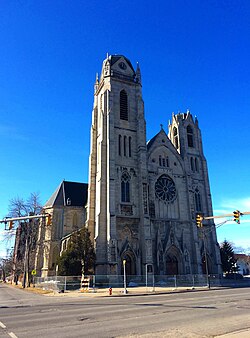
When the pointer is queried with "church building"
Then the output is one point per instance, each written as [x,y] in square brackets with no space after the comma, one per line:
[143,197]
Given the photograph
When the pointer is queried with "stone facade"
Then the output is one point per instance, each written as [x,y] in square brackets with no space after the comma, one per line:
[68,213]
[144,196]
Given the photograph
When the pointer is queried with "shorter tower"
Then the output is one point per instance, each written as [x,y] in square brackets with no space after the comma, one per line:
[185,135]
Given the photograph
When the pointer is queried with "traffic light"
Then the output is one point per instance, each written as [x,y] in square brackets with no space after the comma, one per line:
[199,220]
[237,215]
[11,224]
[48,219]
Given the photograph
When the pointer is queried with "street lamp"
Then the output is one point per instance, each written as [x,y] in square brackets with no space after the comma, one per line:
[124,276]
[146,265]
[205,254]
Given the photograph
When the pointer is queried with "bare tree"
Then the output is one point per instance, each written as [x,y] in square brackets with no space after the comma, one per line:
[25,235]
[6,266]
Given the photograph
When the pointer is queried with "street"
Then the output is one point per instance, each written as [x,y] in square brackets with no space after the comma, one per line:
[189,314]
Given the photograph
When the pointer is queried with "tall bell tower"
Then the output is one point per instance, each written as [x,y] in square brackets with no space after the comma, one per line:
[117,202]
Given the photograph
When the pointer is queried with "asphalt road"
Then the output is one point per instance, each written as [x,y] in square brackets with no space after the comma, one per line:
[192,314]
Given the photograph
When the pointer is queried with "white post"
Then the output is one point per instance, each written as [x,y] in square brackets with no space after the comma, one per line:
[124,276]
[206,263]
[146,276]
[65,283]
[193,281]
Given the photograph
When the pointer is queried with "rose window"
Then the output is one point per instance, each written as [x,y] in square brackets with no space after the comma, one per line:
[165,189]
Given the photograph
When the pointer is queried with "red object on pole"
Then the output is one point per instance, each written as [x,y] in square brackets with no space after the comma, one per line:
[110,291]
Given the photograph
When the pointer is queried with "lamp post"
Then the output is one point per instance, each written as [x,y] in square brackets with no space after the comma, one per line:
[124,276]
[205,254]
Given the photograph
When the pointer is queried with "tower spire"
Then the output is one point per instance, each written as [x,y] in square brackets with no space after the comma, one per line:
[138,73]
[96,82]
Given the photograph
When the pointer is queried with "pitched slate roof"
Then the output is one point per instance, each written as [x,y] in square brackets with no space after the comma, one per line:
[150,142]
[69,194]
[114,58]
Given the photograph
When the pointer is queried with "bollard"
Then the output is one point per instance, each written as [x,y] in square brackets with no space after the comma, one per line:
[110,291]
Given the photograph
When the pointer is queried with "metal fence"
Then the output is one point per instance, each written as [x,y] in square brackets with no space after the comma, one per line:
[155,282]
[58,283]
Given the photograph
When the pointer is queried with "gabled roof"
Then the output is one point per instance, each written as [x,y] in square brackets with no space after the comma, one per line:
[69,194]
[114,58]
[151,142]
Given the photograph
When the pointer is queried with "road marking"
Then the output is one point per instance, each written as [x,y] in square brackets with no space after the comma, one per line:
[2,325]
[11,334]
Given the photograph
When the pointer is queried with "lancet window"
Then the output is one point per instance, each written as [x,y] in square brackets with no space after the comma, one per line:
[123,105]
[125,187]
[190,137]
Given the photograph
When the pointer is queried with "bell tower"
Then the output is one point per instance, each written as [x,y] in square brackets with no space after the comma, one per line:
[118,170]
[185,135]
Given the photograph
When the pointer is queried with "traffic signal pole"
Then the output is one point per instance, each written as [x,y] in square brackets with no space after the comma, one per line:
[9,219]
[227,215]
[199,222]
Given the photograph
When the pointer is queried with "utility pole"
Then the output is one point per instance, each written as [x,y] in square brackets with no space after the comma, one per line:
[199,222]
[27,231]
[25,263]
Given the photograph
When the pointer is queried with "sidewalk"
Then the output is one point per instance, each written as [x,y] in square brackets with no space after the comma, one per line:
[237,334]
[116,292]
[119,292]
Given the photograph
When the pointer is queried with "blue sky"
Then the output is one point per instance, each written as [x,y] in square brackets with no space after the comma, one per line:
[193,55]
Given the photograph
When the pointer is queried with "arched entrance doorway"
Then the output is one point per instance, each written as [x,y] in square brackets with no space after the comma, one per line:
[173,261]
[171,265]
[130,265]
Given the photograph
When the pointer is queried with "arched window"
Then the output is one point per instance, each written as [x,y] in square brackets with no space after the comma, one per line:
[105,102]
[75,220]
[192,163]
[196,165]
[129,146]
[101,98]
[119,145]
[167,161]
[125,187]
[190,137]
[197,197]
[123,105]
[163,161]
[125,145]
[176,141]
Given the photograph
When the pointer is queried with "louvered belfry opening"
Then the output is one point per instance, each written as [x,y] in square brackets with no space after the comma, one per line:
[123,105]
